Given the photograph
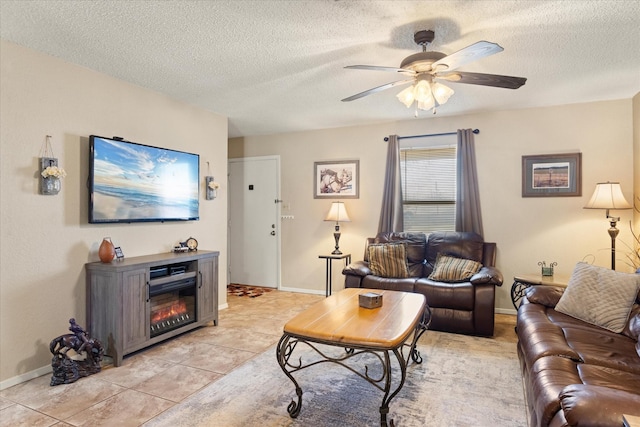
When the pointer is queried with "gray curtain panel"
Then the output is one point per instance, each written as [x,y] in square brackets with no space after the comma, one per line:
[468,214]
[391,217]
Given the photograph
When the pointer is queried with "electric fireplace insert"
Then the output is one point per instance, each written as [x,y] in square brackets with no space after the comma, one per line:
[173,305]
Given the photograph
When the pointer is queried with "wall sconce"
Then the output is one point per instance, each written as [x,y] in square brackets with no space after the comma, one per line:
[337,213]
[608,195]
[49,171]
[211,188]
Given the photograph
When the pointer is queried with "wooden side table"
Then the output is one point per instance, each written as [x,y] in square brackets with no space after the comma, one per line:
[630,421]
[522,282]
[328,274]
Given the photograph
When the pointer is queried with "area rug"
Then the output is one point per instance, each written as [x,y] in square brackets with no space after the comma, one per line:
[463,381]
[246,291]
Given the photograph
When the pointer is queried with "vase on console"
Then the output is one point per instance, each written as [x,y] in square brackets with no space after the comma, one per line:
[107,251]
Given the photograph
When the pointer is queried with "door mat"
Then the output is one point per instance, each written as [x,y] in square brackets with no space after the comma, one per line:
[246,291]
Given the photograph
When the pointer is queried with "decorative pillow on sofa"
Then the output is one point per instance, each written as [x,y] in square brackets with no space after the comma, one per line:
[600,296]
[388,260]
[451,269]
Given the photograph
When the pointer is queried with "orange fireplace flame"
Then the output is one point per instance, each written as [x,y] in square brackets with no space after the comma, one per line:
[176,309]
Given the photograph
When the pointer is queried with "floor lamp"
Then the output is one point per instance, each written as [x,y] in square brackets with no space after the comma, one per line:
[337,213]
[608,195]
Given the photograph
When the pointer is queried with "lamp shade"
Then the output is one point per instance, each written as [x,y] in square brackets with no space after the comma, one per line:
[608,195]
[338,213]
[425,93]
[441,92]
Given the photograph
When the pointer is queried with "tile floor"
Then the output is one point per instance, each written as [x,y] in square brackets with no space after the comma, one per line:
[153,380]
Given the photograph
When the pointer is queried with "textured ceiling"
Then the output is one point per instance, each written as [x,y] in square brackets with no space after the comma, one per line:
[277,66]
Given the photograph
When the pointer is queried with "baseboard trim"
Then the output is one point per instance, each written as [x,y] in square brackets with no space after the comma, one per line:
[10,382]
[303,291]
[510,311]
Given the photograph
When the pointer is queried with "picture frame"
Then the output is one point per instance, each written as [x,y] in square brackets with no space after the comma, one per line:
[552,175]
[337,179]
[119,254]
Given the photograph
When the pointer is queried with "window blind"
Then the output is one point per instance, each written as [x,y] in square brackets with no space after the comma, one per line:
[428,188]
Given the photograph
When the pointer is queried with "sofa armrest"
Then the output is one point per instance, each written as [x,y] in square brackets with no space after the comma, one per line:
[591,406]
[487,276]
[358,268]
[544,295]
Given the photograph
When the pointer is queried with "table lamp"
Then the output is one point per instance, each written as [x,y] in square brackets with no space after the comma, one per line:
[608,195]
[337,213]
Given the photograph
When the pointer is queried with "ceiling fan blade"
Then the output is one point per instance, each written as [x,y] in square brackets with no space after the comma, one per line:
[468,54]
[377,89]
[377,68]
[495,80]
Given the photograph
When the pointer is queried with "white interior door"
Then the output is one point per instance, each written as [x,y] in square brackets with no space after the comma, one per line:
[254,226]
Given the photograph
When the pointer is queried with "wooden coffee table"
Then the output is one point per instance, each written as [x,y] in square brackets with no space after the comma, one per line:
[339,321]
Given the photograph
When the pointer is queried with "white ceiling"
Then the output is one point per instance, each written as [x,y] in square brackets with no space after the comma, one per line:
[277,66]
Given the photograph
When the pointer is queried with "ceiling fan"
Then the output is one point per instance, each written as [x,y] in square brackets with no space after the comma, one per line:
[425,67]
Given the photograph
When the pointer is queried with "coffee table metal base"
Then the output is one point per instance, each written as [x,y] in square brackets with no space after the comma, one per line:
[383,382]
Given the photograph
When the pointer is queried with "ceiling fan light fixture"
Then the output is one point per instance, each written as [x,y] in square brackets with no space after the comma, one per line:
[427,103]
[406,96]
[441,92]
[422,90]
[423,67]
[425,94]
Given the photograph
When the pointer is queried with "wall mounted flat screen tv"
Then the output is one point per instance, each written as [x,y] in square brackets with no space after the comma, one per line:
[130,182]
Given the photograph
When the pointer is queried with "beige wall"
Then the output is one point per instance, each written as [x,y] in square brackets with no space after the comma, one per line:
[46,240]
[527,230]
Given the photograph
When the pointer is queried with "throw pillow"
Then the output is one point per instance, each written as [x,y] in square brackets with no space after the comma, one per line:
[451,269]
[388,260]
[600,296]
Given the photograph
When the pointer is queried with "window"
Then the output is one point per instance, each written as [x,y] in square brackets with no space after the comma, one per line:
[428,188]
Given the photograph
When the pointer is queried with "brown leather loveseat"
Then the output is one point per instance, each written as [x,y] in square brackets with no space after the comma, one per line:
[466,306]
[576,373]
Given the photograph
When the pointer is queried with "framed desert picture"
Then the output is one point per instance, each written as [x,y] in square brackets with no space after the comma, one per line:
[336,179]
[552,175]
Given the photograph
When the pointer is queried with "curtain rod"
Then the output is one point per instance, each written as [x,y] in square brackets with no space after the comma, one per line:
[386,138]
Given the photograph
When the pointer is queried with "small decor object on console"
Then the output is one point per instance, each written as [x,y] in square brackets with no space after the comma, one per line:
[547,271]
[88,355]
[119,253]
[192,244]
[106,252]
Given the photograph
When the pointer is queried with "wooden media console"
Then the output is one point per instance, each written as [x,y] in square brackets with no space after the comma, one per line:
[124,299]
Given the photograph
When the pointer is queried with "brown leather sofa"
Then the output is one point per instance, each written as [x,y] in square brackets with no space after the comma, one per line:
[465,307]
[575,373]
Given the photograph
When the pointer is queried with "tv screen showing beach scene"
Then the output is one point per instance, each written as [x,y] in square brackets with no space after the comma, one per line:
[131,182]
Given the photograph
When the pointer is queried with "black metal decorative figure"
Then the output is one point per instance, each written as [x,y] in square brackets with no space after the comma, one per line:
[66,369]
